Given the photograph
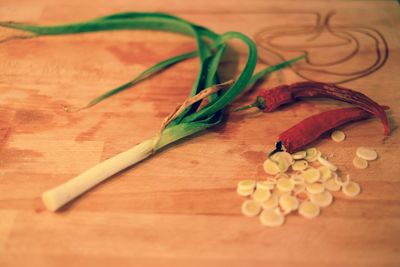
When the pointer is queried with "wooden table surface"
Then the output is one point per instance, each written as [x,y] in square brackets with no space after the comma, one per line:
[180,208]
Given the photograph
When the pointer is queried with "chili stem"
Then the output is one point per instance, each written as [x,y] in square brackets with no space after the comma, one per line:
[245,107]
[259,103]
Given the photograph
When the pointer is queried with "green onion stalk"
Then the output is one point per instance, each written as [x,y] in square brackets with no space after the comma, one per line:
[189,118]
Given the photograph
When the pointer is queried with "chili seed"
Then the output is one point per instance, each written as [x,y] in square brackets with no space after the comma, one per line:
[351,189]
[332,185]
[311,175]
[244,192]
[272,218]
[326,163]
[323,199]
[288,203]
[366,153]
[251,208]
[315,188]
[325,173]
[360,163]
[264,185]
[270,167]
[261,195]
[338,136]
[271,203]
[300,165]
[285,185]
[299,155]
[308,209]
[246,184]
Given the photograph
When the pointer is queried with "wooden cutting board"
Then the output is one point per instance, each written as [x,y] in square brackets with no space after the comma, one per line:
[180,208]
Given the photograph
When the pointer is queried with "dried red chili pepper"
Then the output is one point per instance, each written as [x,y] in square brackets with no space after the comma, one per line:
[311,128]
[271,99]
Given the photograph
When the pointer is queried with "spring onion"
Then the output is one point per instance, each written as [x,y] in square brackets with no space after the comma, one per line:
[187,119]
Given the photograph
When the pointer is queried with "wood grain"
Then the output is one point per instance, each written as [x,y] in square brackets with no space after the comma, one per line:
[178,208]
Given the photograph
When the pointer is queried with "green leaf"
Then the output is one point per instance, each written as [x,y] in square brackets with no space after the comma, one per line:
[276,67]
[142,76]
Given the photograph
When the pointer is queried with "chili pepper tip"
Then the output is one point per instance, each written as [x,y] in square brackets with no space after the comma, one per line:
[278,148]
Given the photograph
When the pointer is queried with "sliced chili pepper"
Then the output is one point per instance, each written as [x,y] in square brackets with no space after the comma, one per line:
[311,128]
[271,99]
